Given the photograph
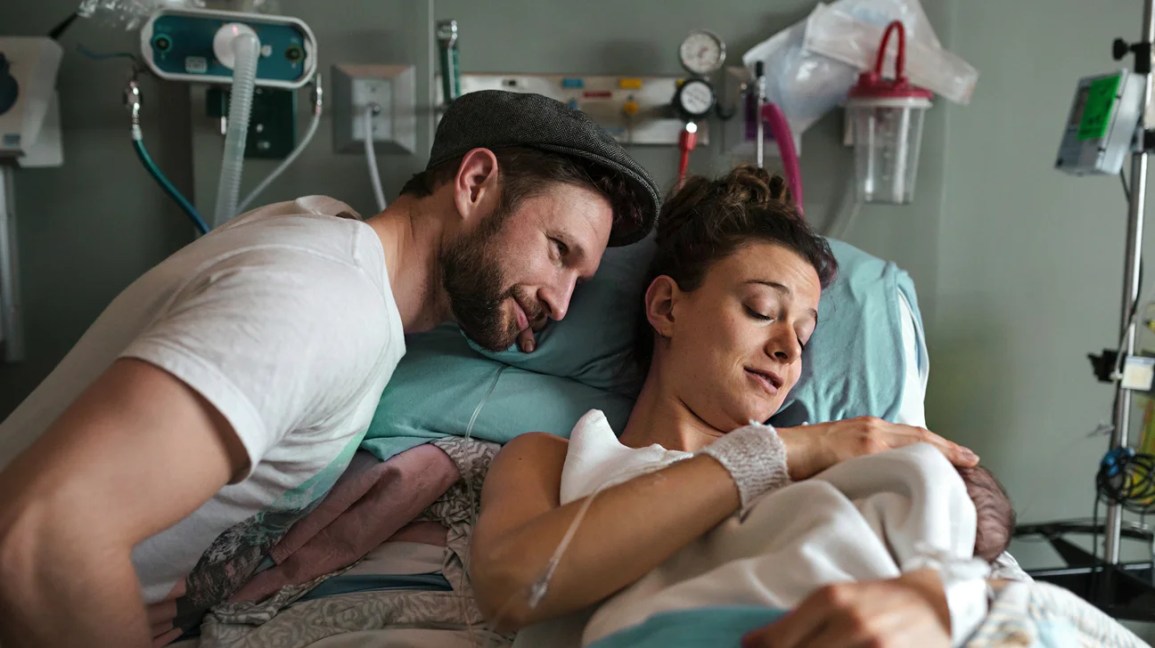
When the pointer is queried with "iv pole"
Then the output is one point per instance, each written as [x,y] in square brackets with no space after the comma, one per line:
[1137,202]
[1122,590]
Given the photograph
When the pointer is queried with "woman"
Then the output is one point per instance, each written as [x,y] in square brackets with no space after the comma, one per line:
[733,302]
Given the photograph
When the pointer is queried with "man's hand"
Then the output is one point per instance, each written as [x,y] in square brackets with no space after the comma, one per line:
[526,341]
[910,610]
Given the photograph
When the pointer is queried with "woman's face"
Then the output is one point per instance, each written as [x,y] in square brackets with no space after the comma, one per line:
[734,345]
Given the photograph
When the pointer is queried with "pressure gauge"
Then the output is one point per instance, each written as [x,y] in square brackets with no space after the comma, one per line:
[702,52]
[694,99]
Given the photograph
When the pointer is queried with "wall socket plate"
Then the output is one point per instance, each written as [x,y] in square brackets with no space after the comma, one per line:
[367,92]
[393,88]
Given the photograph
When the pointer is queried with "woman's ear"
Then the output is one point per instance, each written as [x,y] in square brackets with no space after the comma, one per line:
[661,296]
[475,188]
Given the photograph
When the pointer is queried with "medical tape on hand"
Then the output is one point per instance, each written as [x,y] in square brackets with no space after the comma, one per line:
[755,457]
[964,582]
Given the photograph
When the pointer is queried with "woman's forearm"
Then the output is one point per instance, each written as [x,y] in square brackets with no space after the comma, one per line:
[628,530]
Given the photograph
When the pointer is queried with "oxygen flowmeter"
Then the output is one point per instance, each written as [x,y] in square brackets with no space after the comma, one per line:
[702,53]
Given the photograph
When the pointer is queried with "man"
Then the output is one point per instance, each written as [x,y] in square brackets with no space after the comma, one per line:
[222,394]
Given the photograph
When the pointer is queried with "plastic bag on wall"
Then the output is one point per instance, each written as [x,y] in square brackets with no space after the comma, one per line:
[839,35]
[129,14]
[807,85]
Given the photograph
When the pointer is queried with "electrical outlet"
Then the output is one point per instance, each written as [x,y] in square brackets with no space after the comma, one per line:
[391,89]
[372,98]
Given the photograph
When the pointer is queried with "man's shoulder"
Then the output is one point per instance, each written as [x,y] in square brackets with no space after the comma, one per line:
[288,280]
[313,205]
[290,224]
[296,243]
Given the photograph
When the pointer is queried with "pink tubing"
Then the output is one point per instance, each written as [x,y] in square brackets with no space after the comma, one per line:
[780,130]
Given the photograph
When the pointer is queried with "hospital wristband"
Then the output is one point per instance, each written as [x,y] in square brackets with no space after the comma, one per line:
[755,457]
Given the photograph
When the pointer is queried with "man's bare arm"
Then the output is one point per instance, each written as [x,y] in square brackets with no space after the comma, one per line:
[137,452]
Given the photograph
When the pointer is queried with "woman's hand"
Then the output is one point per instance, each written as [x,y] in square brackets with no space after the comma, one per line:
[810,449]
[910,610]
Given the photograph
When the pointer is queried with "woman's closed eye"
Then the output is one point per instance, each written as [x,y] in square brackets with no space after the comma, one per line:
[757,315]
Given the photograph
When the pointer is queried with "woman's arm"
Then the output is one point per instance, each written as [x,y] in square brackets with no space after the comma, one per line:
[628,529]
[814,448]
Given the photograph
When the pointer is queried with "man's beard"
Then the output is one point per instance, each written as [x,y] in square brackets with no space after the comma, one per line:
[473,279]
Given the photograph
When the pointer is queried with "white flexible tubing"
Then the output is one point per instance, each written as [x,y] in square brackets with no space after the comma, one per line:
[247,48]
[371,157]
[276,173]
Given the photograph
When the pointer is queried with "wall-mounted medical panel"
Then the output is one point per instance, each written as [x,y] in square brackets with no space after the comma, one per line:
[634,110]
[186,45]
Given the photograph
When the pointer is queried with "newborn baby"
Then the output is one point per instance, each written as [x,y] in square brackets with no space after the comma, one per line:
[867,518]
[993,511]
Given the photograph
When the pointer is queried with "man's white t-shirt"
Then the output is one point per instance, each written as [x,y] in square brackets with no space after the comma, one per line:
[285,322]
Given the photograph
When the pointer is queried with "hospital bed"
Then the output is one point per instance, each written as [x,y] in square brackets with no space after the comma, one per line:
[400,578]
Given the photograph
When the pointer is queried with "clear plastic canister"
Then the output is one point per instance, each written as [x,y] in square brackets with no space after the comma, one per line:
[887,133]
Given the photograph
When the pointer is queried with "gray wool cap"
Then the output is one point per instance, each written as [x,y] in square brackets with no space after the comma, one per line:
[494,119]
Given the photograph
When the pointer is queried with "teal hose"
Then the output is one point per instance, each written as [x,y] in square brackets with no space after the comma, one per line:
[173,192]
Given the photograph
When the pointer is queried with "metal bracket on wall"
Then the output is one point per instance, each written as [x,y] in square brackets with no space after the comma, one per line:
[11,326]
[634,110]
[272,125]
[739,135]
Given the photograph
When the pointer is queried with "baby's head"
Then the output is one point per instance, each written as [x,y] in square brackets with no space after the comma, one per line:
[995,515]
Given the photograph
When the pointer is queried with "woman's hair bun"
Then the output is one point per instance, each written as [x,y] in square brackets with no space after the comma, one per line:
[704,202]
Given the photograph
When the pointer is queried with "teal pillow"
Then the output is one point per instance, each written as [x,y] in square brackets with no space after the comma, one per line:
[439,383]
[594,343]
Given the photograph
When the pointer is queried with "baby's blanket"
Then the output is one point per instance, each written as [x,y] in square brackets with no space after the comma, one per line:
[864,519]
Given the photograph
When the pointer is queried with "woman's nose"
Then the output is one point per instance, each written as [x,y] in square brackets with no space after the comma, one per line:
[783,346]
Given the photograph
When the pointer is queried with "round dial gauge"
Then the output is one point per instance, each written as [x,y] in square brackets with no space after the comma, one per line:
[695,98]
[702,52]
